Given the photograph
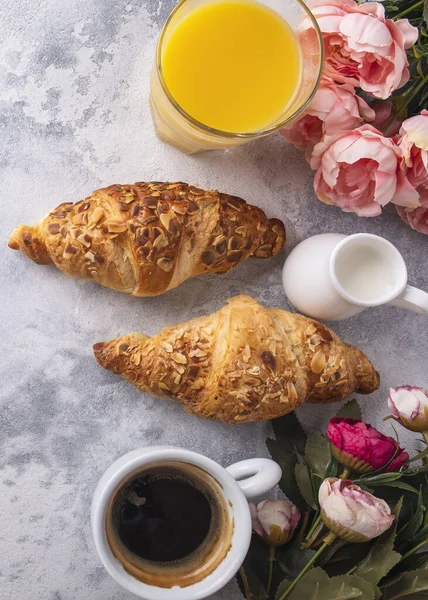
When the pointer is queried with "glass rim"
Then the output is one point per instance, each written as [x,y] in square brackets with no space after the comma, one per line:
[231,134]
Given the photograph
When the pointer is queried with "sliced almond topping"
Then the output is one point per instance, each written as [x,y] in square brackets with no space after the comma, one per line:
[160,241]
[171,224]
[318,362]
[128,197]
[164,387]
[95,217]
[85,240]
[180,209]
[198,384]
[69,251]
[246,355]
[179,358]
[90,256]
[166,264]
[167,347]
[136,358]
[291,389]
[177,378]
[79,218]
[115,226]
[53,228]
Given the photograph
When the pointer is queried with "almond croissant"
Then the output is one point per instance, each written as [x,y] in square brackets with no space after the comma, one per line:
[242,363]
[147,238]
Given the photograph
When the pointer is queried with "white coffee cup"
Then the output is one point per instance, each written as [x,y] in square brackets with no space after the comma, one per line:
[333,276]
[240,481]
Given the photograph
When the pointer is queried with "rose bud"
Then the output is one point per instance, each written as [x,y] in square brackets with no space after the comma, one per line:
[351,513]
[409,405]
[360,447]
[275,520]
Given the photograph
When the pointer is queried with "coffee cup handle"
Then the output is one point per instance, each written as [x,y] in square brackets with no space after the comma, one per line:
[412,299]
[255,476]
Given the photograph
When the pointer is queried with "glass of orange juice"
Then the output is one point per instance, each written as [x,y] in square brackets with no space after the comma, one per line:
[230,71]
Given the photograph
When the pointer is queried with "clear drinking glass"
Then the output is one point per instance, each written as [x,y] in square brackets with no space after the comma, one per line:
[176,127]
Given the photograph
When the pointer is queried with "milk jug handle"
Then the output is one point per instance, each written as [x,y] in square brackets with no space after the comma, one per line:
[412,299]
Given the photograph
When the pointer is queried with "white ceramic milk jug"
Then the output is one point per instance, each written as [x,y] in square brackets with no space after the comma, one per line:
[333,276]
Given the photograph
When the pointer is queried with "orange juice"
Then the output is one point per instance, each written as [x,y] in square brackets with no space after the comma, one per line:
[233,65]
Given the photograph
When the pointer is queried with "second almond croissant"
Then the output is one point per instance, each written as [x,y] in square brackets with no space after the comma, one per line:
[243,363]
[147,238]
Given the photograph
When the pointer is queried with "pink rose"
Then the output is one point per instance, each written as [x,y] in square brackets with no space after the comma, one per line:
[352,513]
[414,145]
[362,448]
[416,218]
[360,171]
[333,109]
[361,46]
[384,111]
[275,520]
[409,405]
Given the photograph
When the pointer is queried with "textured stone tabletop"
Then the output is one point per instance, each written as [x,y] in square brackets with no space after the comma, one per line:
[74,117]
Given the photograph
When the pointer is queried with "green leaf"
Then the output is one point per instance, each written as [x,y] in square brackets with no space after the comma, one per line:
[425,12]
[380,479]
[317,584]
[289,429]
[283,454]
[251,586]
[291,559]
[331,468]
[381,558]
[317,453]
[282,588]
[351,410]
[345,558]
[415,561]
[401,485]
[410,528]
[410,585]
[304,482]
[420,455]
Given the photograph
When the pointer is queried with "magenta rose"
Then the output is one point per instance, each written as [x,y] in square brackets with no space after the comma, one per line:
[361,171]
[362,47]
[362,448]
[333,109]
[414,146]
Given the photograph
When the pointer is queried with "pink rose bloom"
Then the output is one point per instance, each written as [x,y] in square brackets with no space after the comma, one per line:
[362,448]
[416,218]
[384,111]
[275,520]
[351,513]
[361,46]
[409,405]
[414,145]
[333,109]
[360,171]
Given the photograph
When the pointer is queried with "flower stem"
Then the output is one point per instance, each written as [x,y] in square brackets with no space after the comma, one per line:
[327,541]
[313,528]
[413,550]
[346,473]
[248,594]
[408,10]
[272,550]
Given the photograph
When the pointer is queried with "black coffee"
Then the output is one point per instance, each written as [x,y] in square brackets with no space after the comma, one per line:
[162,516]
[169,524]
